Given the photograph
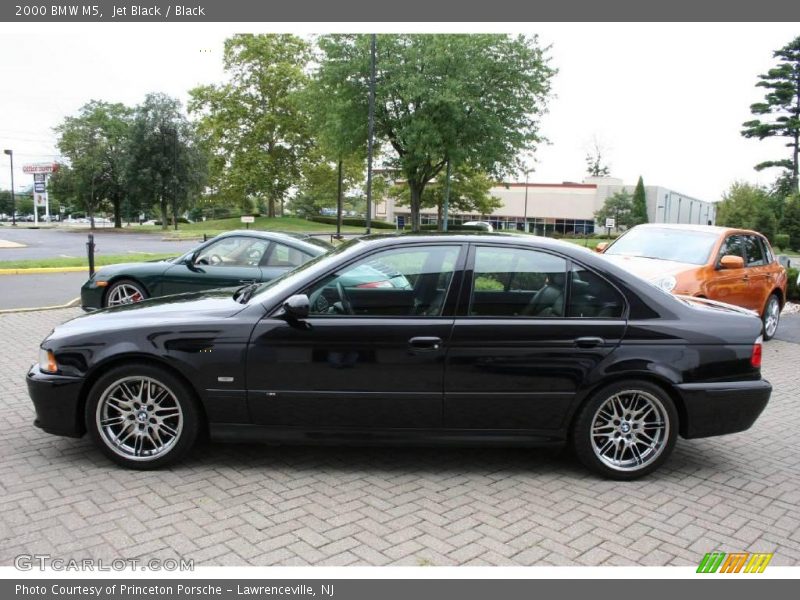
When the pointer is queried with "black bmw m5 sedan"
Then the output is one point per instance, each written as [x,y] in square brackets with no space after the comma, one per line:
[431,339]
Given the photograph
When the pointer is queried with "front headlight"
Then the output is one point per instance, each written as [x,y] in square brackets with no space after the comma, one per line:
[47,361]
[667,283]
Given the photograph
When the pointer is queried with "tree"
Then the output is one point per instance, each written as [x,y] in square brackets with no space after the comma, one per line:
[167,166]
[791,222]
[780,109]
[472,100]
[619,207]
[639,210]
[749,207]
[95,144]
[255,125]
[320,183]
[469,193]
[595,163]
[6,207]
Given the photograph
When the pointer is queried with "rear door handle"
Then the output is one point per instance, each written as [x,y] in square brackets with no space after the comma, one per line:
[589,342]
[424,344]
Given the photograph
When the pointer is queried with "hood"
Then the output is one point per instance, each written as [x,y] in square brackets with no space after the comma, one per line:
[191,308]
[649,269]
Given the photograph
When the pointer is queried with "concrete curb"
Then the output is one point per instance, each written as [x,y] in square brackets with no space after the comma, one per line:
[71,304]
[40,270]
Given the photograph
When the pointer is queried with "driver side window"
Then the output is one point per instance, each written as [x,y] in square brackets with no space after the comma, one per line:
[397,282]
[233,252]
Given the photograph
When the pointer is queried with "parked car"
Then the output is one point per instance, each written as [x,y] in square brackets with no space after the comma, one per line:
[476,339]
[736,266]
[485,225]
[230,259]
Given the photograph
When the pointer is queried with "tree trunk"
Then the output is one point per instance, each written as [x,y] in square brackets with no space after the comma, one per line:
[271,208]
[339,200]
[416,199]
[117,211]
[439,214]
[163,204]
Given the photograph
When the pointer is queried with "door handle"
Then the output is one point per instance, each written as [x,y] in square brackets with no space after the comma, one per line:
[424,344]
[589,342]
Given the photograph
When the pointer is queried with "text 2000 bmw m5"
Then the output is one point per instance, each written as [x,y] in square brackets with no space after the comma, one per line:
[463,339]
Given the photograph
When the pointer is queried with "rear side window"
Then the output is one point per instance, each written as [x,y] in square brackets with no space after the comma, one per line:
[592,297]
[285,256]
[515,282]
[754,251]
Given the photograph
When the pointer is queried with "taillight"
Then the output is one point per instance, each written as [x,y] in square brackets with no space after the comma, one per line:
[755,357]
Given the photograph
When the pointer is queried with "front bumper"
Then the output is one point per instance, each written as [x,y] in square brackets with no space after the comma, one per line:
[56,399]
[91,296]
[721,408]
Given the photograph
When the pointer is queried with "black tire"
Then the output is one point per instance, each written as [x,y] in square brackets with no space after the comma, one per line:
[588,447]
[145,423]
[769,329]
[121,284]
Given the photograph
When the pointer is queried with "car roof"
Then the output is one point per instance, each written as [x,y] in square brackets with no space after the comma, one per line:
[470,237]
[717,229]
[293,239]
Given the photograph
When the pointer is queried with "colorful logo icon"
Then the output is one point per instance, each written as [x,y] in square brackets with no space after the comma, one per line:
[735,562]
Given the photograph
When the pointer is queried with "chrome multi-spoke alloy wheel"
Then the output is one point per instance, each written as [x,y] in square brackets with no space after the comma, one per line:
[629,430]
[124,293]
[139,418]
[772,316]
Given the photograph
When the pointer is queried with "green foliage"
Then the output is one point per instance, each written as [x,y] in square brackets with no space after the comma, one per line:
[167,165]
[318,185]
[255,126]
[779,114]
[749,207]
[639,209]
[469,193]
[95,144]
[792,291]
[474,100]
[595,165]
[618,206]
[353,222]
[781,241]
[5,202]
[791,222]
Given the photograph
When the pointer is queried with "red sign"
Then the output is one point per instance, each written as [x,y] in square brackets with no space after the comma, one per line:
[40,168]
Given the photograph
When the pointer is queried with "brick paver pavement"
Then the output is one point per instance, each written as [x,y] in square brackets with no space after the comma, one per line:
[261,505]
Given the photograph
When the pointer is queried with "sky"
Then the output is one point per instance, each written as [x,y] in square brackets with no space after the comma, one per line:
[664,101]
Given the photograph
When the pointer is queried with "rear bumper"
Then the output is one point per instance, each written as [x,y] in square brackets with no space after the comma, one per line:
[720,408]
[56,400]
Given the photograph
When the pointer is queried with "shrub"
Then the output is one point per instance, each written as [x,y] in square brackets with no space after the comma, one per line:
[782,241]
[353,222]
[792,291]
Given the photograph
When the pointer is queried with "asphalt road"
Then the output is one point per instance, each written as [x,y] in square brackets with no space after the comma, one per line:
[53,243]
[51,289]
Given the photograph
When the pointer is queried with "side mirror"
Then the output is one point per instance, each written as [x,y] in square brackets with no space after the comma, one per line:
[297,306]
[729,261]
[601,247]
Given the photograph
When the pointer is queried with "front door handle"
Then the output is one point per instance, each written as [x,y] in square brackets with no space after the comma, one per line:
[424,344]
[589,342]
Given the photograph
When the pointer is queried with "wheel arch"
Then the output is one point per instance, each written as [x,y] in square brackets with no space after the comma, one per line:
[661,382]
[126,359]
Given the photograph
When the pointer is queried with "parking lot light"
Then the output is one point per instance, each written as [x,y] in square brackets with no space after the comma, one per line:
[13,202]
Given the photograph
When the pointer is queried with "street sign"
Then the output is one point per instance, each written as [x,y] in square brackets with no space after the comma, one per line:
[248,219]
[39,183]
[41,199]
[34,168]
[610,223]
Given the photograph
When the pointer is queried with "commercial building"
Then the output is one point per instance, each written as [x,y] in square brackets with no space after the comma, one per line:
[564,207]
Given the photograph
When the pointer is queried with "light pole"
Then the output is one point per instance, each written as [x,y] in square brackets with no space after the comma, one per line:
[13,201]
[525,214]
[371,129]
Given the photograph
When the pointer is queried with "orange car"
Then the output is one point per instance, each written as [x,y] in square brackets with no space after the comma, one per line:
[736,266]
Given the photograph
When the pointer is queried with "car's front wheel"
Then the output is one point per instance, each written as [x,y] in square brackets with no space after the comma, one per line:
[142,416]
[771,317]
[124,291]
[625,430]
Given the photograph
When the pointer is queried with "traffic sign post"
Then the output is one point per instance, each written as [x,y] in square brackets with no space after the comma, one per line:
[247,220]
[610,224]
[40,171]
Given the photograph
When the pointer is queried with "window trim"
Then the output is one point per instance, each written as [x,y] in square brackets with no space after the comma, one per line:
[448,306]
[465,297]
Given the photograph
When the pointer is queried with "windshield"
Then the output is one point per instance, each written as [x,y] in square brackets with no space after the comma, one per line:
[665,244]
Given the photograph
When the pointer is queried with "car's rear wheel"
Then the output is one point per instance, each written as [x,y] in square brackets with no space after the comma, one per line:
[626,430]
[124,291]
[142,416]
[771,317]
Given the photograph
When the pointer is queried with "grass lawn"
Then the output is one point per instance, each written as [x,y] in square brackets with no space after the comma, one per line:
[217,226]
[99,261]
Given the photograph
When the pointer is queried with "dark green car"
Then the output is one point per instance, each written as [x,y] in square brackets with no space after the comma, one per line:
[231,259]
